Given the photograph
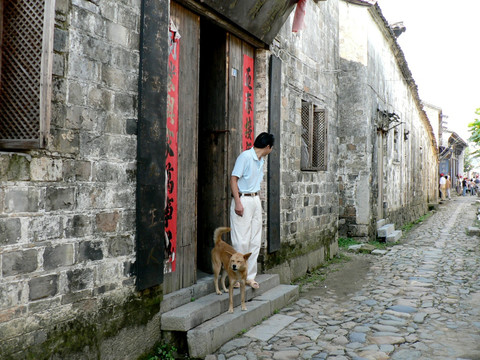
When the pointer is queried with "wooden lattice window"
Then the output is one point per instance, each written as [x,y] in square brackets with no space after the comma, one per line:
[314,137]
[26,53]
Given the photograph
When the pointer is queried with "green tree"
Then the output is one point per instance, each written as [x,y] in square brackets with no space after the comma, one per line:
[467,161]
[474,128]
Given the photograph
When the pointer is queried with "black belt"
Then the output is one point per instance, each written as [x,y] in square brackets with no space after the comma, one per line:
[249,194]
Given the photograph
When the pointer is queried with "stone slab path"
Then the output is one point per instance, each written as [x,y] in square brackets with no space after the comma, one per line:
[421,300]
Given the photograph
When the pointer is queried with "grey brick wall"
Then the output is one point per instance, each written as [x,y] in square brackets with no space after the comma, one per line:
[67,213]
[309,210]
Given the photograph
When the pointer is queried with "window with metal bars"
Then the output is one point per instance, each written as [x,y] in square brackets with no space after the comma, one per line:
[314,138]
[26,56]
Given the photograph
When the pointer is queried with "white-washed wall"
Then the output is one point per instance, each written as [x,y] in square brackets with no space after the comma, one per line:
[375,79]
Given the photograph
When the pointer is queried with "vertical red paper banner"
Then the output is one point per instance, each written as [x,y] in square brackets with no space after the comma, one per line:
[248,101]
[171,163]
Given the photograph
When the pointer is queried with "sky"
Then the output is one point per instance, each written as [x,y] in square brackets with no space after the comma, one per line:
[442,49]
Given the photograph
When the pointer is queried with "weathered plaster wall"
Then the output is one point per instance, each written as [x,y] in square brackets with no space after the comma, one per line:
[308,199]
[67,213]
[356,134]
[375,79]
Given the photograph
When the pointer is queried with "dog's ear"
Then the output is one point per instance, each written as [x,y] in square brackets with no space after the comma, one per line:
[246,256]
[230,252]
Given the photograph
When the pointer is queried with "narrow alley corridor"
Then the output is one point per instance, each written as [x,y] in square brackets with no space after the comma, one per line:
[421,300]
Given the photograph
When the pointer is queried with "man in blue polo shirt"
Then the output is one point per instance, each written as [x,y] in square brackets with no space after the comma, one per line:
[246,208]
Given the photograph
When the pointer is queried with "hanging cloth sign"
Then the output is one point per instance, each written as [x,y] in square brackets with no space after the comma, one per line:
[248,101]
[171,163]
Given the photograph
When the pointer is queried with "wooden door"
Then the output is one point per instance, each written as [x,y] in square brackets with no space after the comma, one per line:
[237,49]
[188,25]
[220,130]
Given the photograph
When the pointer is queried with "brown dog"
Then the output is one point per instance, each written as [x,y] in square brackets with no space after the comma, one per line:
[234,264]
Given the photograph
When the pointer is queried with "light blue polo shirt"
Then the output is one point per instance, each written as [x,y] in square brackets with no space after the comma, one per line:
[249,170]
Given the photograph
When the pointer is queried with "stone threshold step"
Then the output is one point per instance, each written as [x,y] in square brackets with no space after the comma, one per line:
[394,236]
[380,223]
[212,334]
[187,316]
[204,286]
[385,230]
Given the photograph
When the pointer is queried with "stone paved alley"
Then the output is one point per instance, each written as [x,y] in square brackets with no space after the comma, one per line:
[419,301]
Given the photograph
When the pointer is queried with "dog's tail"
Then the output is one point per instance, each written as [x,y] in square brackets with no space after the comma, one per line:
[217,235]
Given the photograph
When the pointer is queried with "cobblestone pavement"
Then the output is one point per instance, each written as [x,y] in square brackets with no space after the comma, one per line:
[421,300]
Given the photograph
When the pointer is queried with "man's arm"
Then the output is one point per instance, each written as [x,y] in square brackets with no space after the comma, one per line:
[236,195]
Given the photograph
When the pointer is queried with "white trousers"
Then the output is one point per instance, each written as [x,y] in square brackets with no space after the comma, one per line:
[246,230]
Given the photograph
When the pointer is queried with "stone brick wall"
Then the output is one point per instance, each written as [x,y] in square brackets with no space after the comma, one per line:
[67,213]
[308,198]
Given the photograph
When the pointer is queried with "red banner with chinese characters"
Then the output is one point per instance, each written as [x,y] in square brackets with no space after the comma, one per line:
[171,163]
[247,128]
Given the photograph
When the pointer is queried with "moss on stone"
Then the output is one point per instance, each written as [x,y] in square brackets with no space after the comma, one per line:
[18,168]
[89,330]
[303,245]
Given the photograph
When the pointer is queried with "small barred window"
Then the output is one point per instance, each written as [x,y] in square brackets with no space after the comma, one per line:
[314,138]
[26,52]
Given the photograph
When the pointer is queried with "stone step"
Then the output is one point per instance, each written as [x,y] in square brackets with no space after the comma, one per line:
[380,223]
[204,286]
[394,236]
[385,230]
[473,230]
[212,334]
[194,313]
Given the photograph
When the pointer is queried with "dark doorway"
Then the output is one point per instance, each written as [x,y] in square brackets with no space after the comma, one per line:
[213,140]
[221,129]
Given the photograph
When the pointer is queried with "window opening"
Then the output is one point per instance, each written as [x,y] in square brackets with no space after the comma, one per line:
[396,144]
[26,52]
[314,137]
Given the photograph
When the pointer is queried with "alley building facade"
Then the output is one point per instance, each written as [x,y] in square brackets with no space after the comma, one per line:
[388,158]
[115,178]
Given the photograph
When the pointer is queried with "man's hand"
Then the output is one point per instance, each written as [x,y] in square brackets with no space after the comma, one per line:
[238,208]
[236,196]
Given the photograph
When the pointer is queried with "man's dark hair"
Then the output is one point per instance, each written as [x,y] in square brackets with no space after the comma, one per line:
[263,140]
